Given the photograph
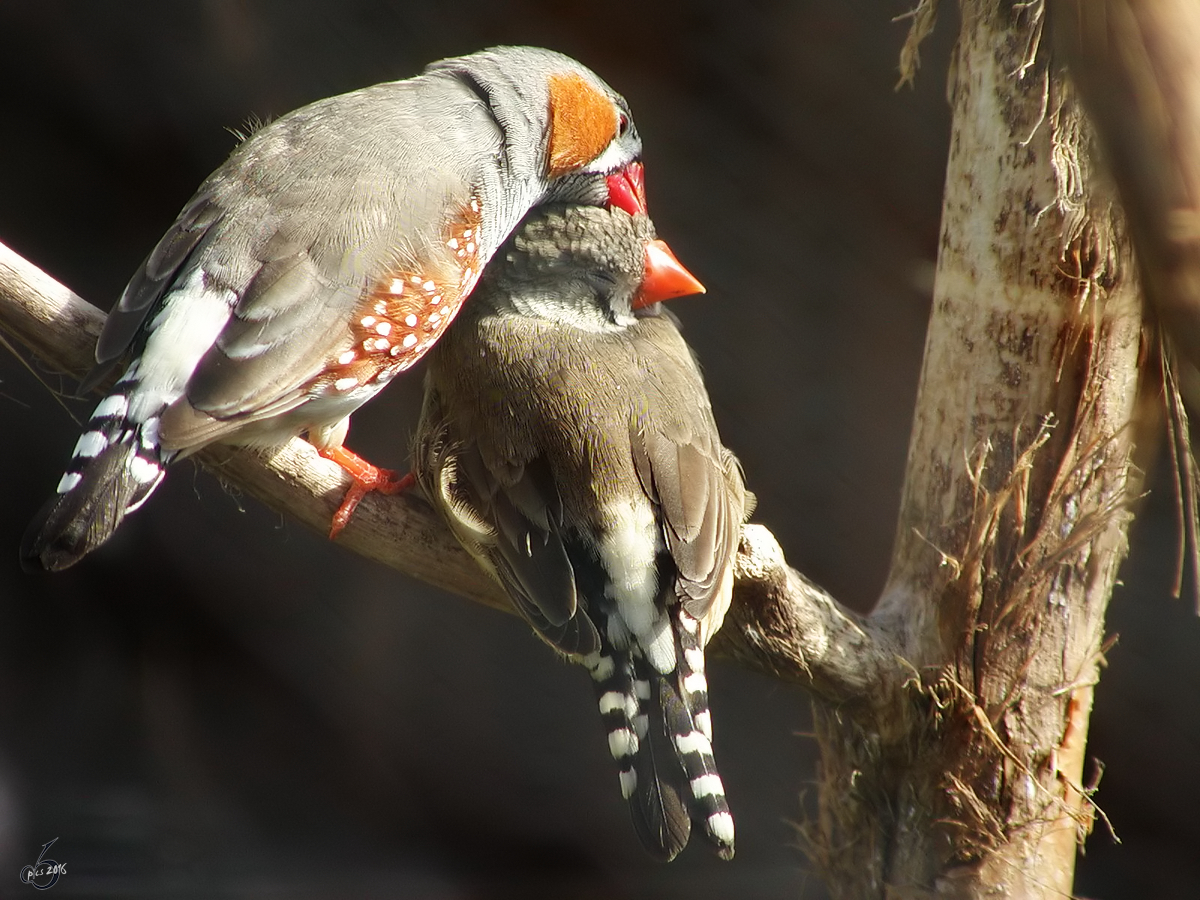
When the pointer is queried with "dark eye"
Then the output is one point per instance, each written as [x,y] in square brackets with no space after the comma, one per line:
[622,125]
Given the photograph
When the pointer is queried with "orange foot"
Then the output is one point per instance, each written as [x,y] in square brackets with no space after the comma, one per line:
[367,478]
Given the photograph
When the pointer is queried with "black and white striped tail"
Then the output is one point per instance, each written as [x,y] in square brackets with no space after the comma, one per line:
[117,463]
[660,734]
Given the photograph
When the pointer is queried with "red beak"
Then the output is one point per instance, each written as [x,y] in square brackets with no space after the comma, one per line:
[665,277]
[627,189]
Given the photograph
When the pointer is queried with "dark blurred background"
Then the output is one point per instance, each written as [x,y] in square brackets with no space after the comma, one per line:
[222,704]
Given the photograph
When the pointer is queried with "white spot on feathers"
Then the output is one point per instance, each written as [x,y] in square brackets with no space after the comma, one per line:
[90,444]
[708,786]
[695,683]
[628,783]
[114,406]
[186,327]
[617,633]
[720,826]
[602,667]
[622,742]
[628,549]
[148,436]
[69,481]
[143,471]
[693,742]
[612,701]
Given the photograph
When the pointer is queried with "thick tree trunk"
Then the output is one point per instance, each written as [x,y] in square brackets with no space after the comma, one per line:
[965,779]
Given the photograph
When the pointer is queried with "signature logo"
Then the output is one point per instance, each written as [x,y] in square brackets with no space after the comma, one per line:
[44,873]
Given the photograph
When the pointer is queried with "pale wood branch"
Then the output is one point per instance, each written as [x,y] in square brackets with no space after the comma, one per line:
[781,623]
[1014,512]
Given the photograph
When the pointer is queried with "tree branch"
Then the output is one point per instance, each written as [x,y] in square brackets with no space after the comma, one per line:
[780,624]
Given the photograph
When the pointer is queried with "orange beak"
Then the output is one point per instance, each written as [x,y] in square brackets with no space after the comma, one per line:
[665,277]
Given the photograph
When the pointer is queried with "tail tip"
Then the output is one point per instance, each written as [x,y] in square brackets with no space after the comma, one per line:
[718,828]
[665,838]
[44,550]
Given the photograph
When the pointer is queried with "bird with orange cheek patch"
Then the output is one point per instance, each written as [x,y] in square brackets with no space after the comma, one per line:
[323,258]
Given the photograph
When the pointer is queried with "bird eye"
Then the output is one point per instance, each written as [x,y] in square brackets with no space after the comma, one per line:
[622,125]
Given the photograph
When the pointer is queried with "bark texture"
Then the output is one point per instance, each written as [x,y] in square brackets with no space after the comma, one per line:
[966,779]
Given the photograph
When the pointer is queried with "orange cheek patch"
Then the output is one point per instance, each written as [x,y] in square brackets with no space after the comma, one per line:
[583,121]
[405,313]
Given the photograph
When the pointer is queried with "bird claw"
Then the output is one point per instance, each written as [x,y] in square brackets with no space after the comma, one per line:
[366,477]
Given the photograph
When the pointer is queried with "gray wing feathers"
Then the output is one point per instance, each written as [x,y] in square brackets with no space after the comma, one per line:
[296,224]
[529,540]
[277,340]
[514,528]
[694,480]
[151,281]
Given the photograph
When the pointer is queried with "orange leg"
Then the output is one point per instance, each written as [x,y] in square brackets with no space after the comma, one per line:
[367,478]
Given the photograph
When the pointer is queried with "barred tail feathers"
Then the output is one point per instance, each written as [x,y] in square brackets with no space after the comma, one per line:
[649,774]
[689,721]
[660,734]
[117,463]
